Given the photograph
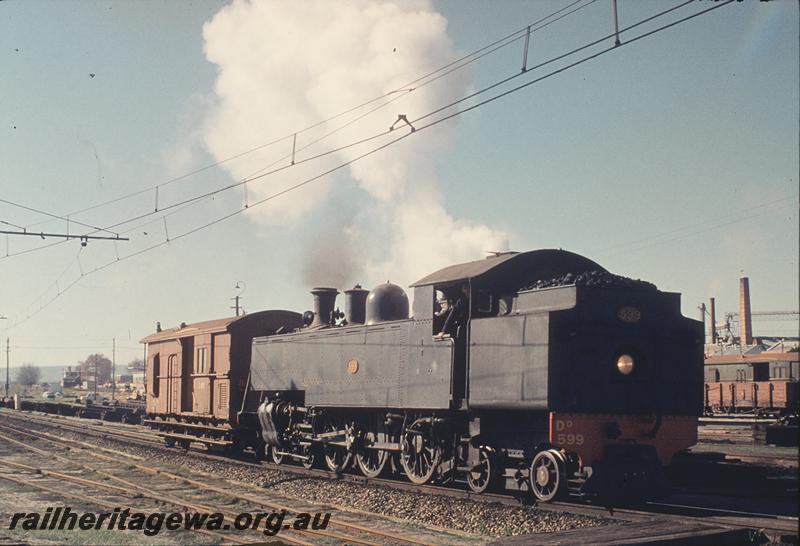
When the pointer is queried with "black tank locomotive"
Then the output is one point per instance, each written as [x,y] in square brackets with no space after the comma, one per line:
[555,376]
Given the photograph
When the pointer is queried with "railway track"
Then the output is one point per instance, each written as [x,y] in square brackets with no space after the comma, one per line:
[347,531]
[774,525]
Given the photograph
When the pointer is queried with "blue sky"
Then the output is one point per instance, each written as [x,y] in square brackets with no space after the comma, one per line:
[673,159]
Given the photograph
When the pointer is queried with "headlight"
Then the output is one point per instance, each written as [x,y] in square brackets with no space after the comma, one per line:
[625,364]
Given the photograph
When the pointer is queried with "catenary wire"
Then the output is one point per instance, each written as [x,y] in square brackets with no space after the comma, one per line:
[387,144]
[438,110]
[696,224]
[649,244]
[406,87]
[454,103]
[485,51]
[57,217]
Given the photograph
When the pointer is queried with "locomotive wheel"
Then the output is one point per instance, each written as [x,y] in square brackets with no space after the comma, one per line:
[372,462]
[337,458]
[276,457]
[310,454]
[484,476]
[547,477]
[419,453]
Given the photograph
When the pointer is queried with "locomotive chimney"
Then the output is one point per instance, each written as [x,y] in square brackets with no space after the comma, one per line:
[745,318]
[712,312]
[355,305]
[324,301]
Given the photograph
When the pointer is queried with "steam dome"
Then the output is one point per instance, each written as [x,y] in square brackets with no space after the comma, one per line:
[386,302]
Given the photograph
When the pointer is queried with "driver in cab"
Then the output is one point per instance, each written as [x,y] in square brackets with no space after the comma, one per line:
[457,312]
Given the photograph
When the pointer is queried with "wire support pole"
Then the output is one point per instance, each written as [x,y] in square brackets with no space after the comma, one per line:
[525,50]
[616,24]
[8,352]
[113,368]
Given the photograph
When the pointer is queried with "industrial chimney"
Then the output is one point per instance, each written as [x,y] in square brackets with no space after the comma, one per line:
[712,312]
[745,317]
[355,305]
[702,309]
[324,301]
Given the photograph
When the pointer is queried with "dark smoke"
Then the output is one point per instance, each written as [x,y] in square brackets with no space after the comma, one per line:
[331,259]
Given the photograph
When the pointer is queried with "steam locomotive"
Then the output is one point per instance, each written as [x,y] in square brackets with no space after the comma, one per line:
[544,373]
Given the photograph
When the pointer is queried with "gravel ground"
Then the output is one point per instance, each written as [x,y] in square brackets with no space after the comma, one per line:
[15,498]
[480,518]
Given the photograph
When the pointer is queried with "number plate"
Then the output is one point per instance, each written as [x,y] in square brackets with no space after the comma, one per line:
[629,314]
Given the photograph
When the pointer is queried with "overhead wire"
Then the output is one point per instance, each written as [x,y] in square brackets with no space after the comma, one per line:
[740,213]
[10,224]
[407,87]
[558,58]
[450,105]
[50,347]
[483,52]
[59,289]
[57,217]
[649,244]
[406,135]
[375,136]
[425,79]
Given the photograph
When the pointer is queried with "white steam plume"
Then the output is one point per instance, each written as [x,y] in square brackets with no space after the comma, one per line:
[286,65]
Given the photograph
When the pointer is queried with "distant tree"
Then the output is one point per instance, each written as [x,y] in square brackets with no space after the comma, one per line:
[136,364]
[28,375]
[96,362]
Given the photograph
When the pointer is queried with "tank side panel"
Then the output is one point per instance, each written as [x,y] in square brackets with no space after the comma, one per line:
[429,369]
[365,366]
[508,365]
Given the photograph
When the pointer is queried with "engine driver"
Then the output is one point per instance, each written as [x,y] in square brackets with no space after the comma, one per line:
[457,311]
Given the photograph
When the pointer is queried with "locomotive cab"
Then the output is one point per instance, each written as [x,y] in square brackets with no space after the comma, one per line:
[586,379]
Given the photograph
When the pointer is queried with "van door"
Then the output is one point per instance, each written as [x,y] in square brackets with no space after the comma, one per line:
[173,380]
